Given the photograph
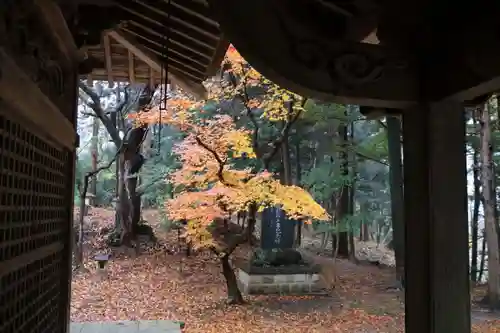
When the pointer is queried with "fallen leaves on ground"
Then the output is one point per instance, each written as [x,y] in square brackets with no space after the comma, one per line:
[157,285]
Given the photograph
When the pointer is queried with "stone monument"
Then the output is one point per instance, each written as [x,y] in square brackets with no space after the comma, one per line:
[276,267]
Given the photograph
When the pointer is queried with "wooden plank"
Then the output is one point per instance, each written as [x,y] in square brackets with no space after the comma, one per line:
[131,67]
[51,15]
[107,60]
[152,60]
[15,86]
[23,260]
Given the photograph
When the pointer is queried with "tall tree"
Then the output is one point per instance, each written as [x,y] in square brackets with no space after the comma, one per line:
[396,188]
[95,157]
[487,179]
[127,139]
[477,196]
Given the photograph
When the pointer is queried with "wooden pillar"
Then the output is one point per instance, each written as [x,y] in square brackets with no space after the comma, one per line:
[436,237]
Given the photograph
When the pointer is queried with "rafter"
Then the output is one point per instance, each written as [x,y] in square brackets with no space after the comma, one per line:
[170,50]
[178,20]
[153,62]
[131,67]
[152,32]
[161,26]
[107,59]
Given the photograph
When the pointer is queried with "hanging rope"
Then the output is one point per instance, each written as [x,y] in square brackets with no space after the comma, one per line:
[164,73]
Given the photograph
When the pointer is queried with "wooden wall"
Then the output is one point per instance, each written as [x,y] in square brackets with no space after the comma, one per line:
[37,153]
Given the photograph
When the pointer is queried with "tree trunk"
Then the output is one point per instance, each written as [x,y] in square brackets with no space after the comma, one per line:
[397,196]
[494,179]
[251,219]
[352,189]
[147,152]
[123,207]
[483,257]
[94,151]
[79,248]
[475,211]
[364,232]
[487,175]
[343,206]
[233,291]
[298,167]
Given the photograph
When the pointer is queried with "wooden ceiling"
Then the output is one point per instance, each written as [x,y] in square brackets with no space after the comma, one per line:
[179,35]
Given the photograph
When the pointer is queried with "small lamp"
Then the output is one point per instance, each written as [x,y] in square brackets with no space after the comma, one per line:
[102,260]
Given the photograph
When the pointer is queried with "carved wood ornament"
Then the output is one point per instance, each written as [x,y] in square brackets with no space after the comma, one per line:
[25,39]
[320,55]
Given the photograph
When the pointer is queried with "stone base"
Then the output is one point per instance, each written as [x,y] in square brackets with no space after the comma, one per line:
[280,280]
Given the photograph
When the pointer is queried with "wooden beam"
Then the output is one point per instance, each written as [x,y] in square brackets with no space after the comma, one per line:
[436,219]
[172,30]
[170,50]
[178,20]
[15,85]
[131,67]
[107,59]
[152,60]
[51,15]
[205,17]
[133,24]
[176,63]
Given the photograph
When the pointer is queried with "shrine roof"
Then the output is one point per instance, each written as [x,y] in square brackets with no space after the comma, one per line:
[180,33]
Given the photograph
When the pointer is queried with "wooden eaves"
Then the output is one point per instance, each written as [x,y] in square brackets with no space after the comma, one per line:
[135,51]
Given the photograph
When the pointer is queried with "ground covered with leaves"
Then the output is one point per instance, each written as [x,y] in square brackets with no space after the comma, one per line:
[161,283]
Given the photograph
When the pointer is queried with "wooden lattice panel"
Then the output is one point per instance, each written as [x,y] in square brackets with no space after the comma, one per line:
[34,221]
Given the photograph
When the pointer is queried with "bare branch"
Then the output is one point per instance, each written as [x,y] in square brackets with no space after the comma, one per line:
[142,189]
[276,144]
[100,113]
[91,114]
[217,158]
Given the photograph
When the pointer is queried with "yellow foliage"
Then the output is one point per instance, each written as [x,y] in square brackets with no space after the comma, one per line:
[213,188]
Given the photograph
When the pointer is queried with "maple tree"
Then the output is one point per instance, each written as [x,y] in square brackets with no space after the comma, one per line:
[213,189]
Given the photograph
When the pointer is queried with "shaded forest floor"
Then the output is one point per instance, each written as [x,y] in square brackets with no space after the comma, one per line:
[158,285]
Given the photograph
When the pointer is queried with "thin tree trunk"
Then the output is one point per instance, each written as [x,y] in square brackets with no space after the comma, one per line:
[396,187]
[352,189]
[483,257]
[251,219]
[298,167]
[233,291]
[487,174]
[475,211]
[494,178]
[94,151]
[343,240]
[81,217]
[298,175]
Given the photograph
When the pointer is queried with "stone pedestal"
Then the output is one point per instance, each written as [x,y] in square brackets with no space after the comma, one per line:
[278,280]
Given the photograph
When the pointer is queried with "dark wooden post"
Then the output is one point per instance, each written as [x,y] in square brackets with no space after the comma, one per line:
[436,238]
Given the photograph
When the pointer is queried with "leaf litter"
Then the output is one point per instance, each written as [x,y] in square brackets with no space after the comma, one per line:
[161,286]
